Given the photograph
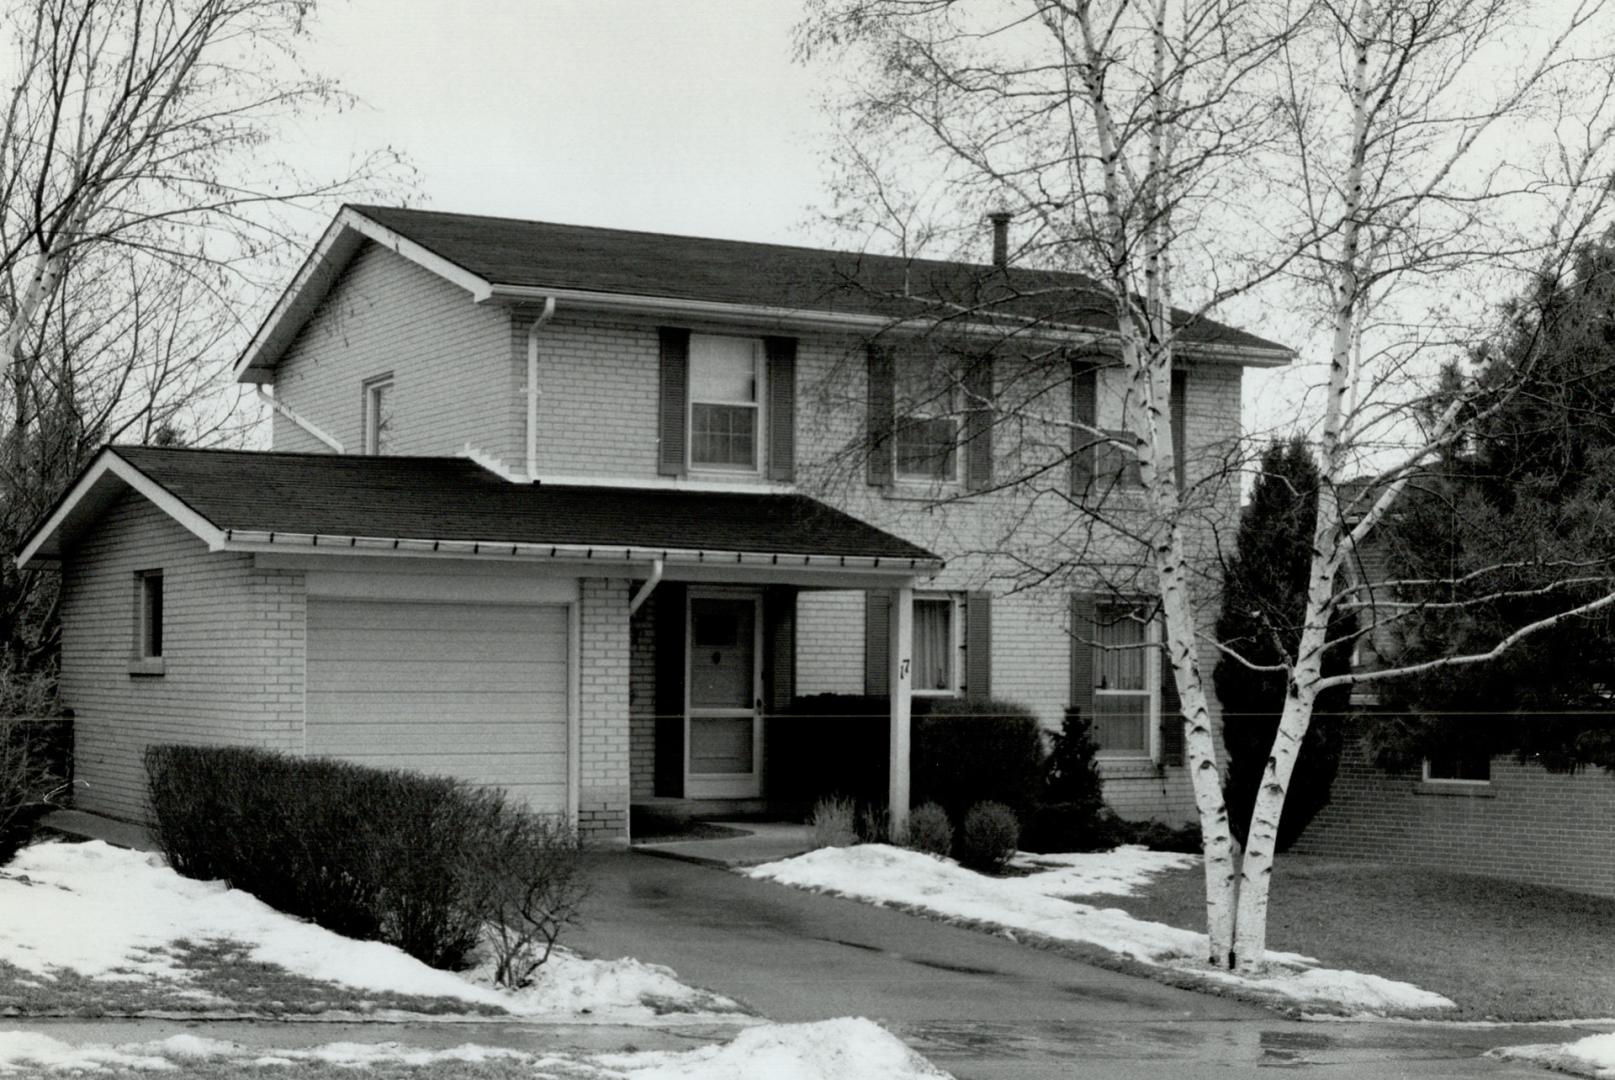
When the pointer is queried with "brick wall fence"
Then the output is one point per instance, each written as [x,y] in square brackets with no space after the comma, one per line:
[1527,823]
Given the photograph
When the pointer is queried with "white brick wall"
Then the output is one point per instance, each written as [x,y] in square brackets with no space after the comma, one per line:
[232,653]
[603,710]
[450,361]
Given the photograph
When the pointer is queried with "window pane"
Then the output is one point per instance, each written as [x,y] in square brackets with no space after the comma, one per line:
[1115,467]
[1117,667]
[923,384]
[1121,722]
[151,643]
[933,645]
[381,418]
[1461,765]
[723,369]
[721,744]
[926,448]
[723,435]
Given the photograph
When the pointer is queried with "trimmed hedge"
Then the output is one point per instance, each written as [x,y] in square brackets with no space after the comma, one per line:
[369,853]
[968,752]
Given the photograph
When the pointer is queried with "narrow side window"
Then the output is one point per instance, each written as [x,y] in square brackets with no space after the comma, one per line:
[378,415]
[148,643]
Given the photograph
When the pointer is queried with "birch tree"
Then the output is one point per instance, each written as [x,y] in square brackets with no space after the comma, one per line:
[1368,169]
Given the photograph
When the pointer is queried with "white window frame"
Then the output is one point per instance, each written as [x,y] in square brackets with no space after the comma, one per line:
[373,390]
[935,409]
[760,431]
[143,659]
[955,642]
[1424,772]
[1152,689]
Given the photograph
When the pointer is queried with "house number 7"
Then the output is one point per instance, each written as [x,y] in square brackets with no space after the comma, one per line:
[902,669]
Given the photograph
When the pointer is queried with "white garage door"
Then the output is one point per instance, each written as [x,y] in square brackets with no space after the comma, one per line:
[476,691]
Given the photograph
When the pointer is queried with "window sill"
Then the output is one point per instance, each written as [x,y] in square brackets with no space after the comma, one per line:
[923,490]
[146,666]
[1463,789]
[1123,768]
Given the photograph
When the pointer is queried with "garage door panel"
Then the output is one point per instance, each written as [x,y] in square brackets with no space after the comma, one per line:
[473,691]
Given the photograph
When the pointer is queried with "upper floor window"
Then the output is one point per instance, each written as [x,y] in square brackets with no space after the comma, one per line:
[726,402]
[378,415]
[926,428]
[1125,681]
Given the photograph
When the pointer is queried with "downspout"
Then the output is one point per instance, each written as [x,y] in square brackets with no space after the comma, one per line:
[532,385]
[297,418]
[646,589]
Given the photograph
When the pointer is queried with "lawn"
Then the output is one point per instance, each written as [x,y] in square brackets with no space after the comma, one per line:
[1499,949]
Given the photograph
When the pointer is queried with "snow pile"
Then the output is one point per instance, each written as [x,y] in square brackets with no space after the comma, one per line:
[1593,1056]
[849,1049]
[114,915]
[1038,903]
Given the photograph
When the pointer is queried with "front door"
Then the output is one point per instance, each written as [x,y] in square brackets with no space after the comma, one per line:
[723,735]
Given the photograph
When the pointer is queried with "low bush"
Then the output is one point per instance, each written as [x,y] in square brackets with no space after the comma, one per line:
[421,862]
[929,830]
[875,825]
[967,752]
[1059,827]
[834,823]
[1157,836]
[526,881]
[989,837]
[35,763]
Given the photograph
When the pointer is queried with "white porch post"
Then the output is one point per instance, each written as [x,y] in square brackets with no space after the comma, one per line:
[901,686]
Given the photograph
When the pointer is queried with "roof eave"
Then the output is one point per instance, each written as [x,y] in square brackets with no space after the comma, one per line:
[718,311]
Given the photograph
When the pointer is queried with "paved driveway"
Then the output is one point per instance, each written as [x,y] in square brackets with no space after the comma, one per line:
[978,1005]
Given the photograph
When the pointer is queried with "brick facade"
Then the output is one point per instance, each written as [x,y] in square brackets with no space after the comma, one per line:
[603,705]
[1527,823]
[233,653]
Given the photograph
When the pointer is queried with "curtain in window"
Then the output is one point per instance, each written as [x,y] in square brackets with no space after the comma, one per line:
[932,647]
[1120,667]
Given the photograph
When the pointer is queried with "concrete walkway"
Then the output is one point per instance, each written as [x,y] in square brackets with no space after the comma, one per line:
[763,841]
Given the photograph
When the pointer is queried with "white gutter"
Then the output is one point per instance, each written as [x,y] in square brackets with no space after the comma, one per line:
[656,568]
[532,385]
[720,311]
[297,418]
[263,539]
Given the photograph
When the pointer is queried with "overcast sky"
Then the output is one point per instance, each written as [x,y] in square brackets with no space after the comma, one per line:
[684,116]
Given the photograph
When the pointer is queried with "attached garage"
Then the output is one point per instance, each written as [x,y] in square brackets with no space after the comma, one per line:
[473,690]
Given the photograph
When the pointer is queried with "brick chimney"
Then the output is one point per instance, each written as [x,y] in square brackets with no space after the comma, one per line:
[1000,220]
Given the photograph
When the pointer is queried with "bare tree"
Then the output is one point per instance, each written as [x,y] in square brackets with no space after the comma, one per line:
[144,211]
[1374,169]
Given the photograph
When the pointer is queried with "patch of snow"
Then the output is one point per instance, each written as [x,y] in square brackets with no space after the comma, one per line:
[1593,1056]
[1039,902]
[847,1049]
[110,914]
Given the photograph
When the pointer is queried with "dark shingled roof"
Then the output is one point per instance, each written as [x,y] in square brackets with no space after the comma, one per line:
[511,251]
[431,498]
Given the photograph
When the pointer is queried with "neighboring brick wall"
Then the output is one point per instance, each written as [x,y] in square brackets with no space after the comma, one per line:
[829,642]
[233,639]
[1527,824]
[450,360]
[604,657]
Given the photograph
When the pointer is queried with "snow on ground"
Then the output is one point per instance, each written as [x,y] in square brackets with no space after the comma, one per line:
[112,914]
[1592,1056]
[1039,903]
[847,1049]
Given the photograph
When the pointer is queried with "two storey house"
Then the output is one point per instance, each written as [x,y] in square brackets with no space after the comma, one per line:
[576,511]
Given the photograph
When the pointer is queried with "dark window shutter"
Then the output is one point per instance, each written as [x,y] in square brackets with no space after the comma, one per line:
[1084,410]
[1082,649]
[673,409]
[781,408]
[1180,414]
[1171,712]
[881,416]
[779,648]
[978,425]
[669,601]
[877,643]
[979,646]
